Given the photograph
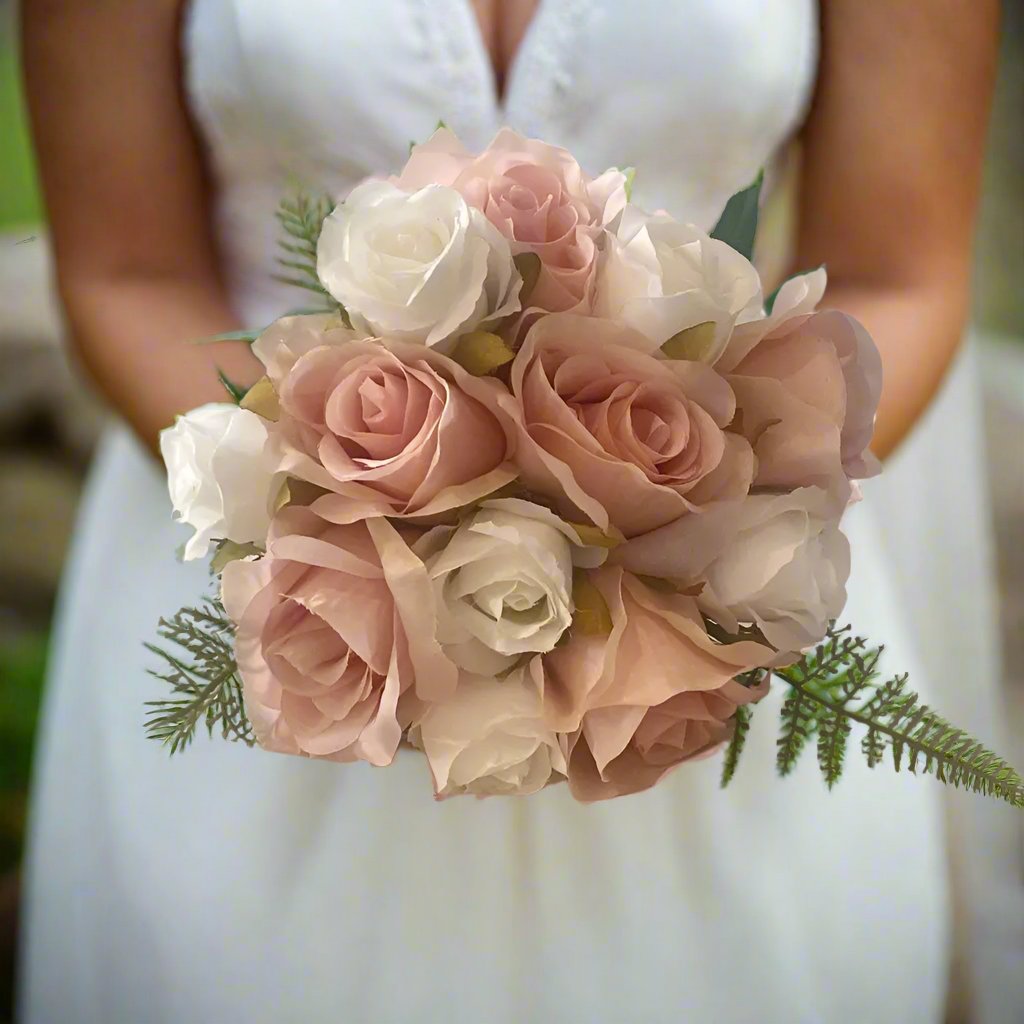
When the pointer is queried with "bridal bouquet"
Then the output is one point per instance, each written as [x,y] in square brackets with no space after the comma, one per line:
[548,490]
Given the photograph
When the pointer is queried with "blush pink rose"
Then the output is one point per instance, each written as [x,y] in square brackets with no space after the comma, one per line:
[391,429]
[334,634]
[655,692]
[807,387]
[623,438]
[629,749]
[538,197]
[658,647]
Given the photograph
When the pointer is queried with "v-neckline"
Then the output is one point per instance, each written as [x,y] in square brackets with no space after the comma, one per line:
[500,78]
[538,82]
[499,98]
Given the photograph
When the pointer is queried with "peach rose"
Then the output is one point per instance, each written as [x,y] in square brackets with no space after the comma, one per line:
[658,648]
[629,749]
[334,627]
[621,751]
[624,438]
[538,197]
[655,692]
[807,386]
[389,428]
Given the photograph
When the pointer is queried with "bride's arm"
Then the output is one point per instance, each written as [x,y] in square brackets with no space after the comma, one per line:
[128,207]
[892,163]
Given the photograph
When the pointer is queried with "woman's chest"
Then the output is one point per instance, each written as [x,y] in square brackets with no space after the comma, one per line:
[695,93]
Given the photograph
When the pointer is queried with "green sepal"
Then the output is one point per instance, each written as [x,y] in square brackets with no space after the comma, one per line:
[236,391]
[630,175]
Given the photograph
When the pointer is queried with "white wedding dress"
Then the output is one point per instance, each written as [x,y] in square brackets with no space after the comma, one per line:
[230,885]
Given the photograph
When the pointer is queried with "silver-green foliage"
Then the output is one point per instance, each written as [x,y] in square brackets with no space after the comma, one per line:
[302,217]
[199,666]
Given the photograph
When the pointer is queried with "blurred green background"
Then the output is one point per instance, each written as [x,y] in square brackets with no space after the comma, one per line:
[22,652]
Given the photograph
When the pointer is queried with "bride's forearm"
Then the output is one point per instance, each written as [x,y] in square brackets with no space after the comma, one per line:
[134,337]
[918,328]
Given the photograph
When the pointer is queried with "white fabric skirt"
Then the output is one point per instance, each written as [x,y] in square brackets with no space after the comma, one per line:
[229,884]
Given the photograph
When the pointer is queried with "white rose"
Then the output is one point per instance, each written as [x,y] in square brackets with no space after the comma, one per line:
[221,474]
[503,583]
[777,561]
[421,266]
[662,277]
[490,739]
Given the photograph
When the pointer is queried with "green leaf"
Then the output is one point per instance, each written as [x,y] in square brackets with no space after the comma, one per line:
[236,391]
[741,718]
[738,224]
[248,336]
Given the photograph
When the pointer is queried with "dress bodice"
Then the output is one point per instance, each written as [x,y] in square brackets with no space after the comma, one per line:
[696,94]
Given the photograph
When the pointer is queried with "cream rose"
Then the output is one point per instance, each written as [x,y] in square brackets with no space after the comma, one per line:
[222,474]
[775,561]
[502,583]
[423,267]
[490,740]
[661,278]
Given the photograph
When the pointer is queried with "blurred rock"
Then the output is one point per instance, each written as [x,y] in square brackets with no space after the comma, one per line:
[38,498]
[35,377]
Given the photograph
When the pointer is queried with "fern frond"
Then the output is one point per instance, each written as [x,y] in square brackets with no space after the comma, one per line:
[798,723]
[834,687]
[833,732]
[741,718]
[203,677]
[302,219]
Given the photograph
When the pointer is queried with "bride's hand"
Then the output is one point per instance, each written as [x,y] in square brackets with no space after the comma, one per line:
[128,206]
